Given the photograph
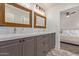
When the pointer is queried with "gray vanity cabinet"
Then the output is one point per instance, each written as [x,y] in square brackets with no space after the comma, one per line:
[42,45]
[17,47]
[10,48]
[28,46]
[45,43]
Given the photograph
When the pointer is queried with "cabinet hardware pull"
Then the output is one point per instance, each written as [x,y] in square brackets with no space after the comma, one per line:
[20,41]
[23,40]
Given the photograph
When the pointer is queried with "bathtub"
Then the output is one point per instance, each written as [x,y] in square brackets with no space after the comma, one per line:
[70,36]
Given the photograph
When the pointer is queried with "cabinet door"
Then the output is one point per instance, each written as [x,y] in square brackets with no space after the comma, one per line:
[42,45]
[10,48]
[28,46]
[51,40]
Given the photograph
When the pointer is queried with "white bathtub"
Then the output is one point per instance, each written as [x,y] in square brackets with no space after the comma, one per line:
[70,36]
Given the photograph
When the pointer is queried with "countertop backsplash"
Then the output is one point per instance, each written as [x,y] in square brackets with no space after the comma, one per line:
[6,30]
[19,30]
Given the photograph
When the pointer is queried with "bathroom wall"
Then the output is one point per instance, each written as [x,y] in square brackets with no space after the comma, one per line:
[71,22]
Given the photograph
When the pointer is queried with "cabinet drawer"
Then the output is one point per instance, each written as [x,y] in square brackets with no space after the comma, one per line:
[42,52]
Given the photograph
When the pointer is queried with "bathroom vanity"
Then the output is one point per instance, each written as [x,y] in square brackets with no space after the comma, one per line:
[38,45]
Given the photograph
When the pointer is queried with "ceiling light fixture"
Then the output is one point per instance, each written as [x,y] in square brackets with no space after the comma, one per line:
[67,14]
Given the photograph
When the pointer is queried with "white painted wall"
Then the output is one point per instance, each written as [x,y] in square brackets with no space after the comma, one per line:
[71,22]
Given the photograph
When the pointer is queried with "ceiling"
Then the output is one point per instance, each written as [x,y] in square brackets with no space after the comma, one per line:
[49,5]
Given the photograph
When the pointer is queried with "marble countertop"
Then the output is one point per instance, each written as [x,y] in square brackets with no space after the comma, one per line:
[4,37]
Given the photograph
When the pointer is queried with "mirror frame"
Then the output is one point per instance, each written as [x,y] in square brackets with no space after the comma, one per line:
[35,15]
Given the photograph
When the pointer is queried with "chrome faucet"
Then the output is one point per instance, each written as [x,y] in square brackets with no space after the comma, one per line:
[14,29]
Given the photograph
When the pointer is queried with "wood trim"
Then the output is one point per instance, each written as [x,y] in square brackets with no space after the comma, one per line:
[36,14]
[9,24]
[16,25]
[2,13]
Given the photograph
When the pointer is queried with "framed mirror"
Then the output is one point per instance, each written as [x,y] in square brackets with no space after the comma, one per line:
[16,15]
[39,21]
